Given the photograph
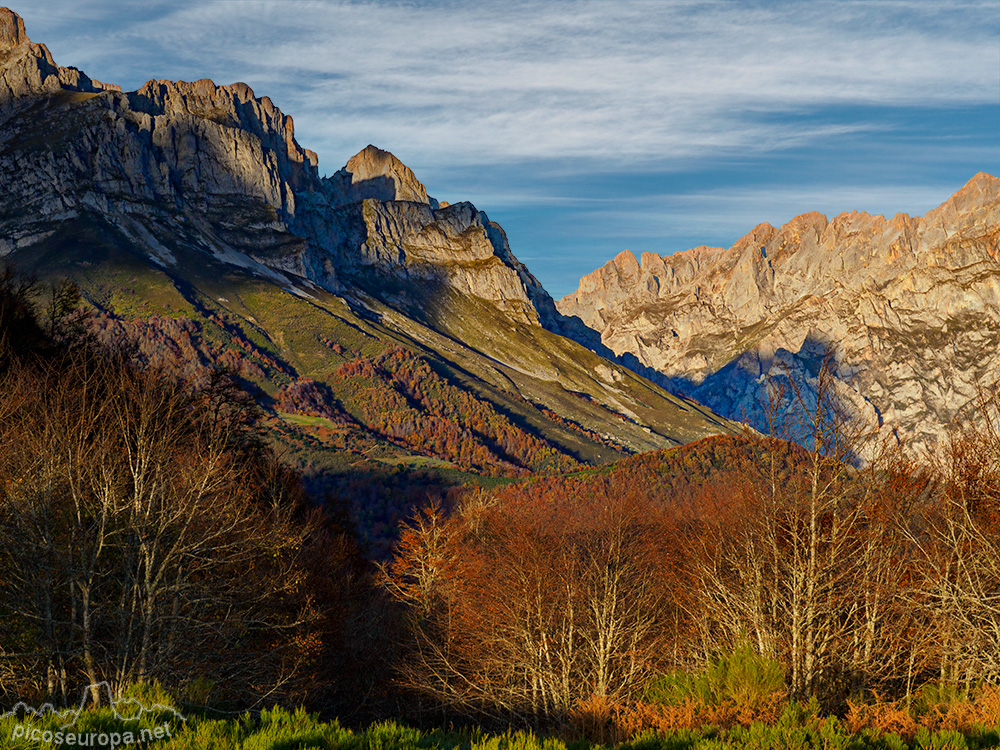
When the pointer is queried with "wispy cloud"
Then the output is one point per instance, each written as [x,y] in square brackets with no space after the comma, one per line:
[620,82]
[736,211]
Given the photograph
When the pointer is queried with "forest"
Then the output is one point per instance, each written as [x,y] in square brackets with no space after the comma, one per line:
[151,538]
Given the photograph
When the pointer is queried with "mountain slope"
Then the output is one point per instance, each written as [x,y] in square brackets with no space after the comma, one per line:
[909,305]
[196,226]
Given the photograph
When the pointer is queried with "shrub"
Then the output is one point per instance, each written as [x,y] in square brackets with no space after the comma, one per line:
[740,676]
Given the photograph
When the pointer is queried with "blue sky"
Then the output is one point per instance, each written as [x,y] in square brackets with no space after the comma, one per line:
[589,127]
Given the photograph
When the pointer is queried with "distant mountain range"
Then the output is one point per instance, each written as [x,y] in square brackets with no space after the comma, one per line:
[909,306]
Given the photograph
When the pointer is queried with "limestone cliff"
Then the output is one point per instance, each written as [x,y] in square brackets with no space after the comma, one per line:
[219,168]
[171,161]
[909,305]
[28,68]
[374,173]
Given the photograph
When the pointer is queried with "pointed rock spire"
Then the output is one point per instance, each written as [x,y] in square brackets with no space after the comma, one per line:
[11,29]
[374,173]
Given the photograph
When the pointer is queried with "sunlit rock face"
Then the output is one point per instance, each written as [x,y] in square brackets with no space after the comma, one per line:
[374,173]
[217,168]
[909,307]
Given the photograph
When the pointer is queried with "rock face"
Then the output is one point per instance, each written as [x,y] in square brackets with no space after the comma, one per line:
[219,168]
[374,173]
[171,160]
[28,68]
[910,307]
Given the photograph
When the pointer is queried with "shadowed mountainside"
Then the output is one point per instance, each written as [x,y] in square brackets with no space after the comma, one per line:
[383,332]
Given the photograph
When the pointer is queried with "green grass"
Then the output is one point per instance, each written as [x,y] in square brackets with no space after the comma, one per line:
[306,421]
[281,729]
[418,462]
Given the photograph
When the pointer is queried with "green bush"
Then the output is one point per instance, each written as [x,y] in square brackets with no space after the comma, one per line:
[938,695]
[150,694]
[739,676]
[800,727]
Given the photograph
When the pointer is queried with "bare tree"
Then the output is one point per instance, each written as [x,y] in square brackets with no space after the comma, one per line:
[785,563]
[957,586]
[140,541]
[528,609]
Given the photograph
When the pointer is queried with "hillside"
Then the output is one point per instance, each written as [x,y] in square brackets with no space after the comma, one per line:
[673,480]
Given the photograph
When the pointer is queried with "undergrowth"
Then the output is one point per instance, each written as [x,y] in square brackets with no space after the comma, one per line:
[797,726]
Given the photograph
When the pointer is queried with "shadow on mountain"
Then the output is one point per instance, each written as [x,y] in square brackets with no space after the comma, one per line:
[344,190]
[744,388]
[572,327]
[381,188]
[431,301]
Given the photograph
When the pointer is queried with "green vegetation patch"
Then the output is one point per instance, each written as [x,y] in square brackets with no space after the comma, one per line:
[798,728]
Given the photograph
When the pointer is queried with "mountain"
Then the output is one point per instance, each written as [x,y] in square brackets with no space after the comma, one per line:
[382,331]
[907,305]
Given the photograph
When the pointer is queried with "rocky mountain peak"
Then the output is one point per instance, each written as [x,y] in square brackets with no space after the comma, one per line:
[28,70]
[234,108]
[374,173]
[979,197]
[215,154]
[626,263]
[220,167]
[11,29]
[759,235]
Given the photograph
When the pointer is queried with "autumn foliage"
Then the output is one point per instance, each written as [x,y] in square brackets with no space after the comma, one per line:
[147,534]
[865,582]
[522,608]
[400,397]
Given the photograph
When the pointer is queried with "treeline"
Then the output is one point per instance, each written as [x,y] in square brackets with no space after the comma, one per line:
[856,579]
[178,347]
[148,534]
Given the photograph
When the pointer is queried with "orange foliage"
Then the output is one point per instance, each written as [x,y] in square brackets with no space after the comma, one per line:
[400,397]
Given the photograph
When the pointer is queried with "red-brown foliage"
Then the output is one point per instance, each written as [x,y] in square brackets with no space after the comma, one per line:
[400,397]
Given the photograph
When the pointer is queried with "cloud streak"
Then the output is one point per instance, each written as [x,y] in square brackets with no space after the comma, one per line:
[619,82]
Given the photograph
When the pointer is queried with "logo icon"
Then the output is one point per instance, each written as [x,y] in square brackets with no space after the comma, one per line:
[125,710]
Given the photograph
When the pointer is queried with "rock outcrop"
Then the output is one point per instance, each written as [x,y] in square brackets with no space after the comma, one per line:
[171,162]
[909,306]
[374,173]
[28,68]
